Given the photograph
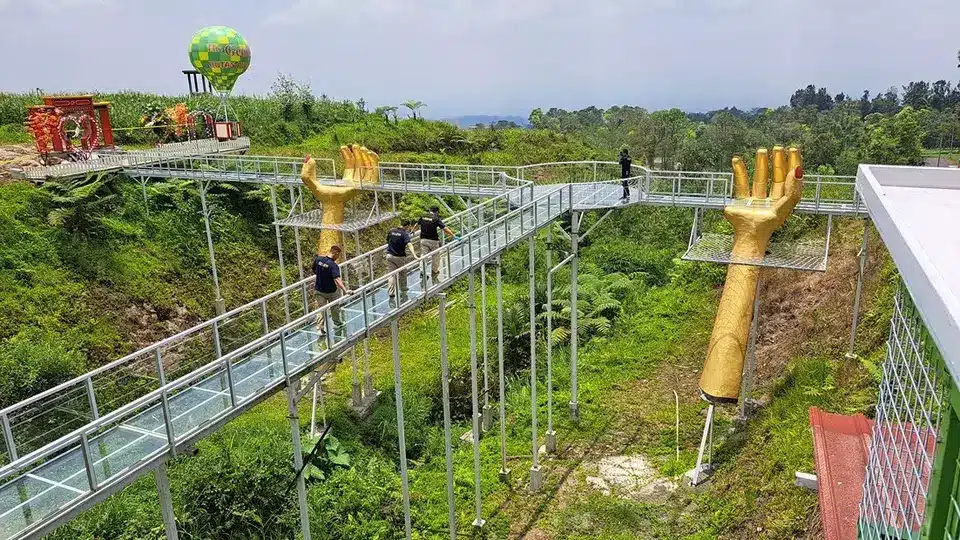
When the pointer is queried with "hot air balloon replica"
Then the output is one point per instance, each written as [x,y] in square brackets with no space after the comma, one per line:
[221,55]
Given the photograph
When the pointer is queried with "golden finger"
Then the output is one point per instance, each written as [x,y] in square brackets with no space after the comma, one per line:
[793,186]
[367,163]
[761,173]
[740,185]
[348,163]
[779,172]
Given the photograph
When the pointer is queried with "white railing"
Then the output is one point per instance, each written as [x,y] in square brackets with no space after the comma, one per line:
[111,160]
[47,416]
[128,440]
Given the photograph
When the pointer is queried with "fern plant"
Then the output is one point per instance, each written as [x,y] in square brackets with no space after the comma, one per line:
[80,204]
[599,303]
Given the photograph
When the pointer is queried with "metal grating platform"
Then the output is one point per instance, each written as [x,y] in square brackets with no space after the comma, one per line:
[808,255]
[314,220]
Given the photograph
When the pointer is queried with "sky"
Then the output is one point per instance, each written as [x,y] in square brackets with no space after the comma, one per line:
[494,56]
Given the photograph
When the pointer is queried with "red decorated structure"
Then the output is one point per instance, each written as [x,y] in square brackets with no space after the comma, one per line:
[89,120]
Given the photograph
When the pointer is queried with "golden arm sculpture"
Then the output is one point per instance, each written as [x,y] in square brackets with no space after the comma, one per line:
[754,216]
[359,165]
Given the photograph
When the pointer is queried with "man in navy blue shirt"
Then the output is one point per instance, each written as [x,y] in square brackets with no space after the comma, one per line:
[398,245]
[329,285]
[430,227]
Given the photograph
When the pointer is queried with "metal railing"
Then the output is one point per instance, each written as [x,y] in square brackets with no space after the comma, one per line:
[119,160]
[448,179]
[88,462]
[49,415]
[243,169]
[912,402]
[822,194]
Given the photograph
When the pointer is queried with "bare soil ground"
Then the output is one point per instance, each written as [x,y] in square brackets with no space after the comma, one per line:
[16,155]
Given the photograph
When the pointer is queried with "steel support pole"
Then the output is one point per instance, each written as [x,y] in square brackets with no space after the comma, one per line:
[551,434]
[750,363]
[219,303]
[856,299]
[574,315]
[472,308]
[166,502]
[398,393]
[313,412]
[283,272]
[487,415]
[706,437]
[143,189]
[356,394]
[296,235]
[504,471]
[536,476]
[367,376]
[294,417]
[447,436]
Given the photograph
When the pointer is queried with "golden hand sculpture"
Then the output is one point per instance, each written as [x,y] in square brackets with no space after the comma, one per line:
[754,216]
[359,164]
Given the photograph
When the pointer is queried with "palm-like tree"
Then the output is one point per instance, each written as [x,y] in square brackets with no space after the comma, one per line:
[393,111]
[414,106]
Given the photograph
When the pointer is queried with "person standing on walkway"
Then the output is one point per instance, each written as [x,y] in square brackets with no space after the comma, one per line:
[625,172]
[398,241]
[430,227]
[329,286]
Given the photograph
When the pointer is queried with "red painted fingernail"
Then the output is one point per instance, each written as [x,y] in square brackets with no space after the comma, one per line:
[798,173]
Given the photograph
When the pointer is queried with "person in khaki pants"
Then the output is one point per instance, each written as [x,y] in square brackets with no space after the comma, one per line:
[329,286]
[430,227]
[398,241]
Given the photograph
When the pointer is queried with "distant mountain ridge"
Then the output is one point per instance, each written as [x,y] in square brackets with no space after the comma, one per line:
[470,120]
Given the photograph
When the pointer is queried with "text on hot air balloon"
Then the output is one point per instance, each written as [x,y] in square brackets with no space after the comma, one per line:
[232,50]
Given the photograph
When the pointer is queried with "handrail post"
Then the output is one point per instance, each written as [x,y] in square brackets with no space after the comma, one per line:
[263,317]
[328,326]
[92,398]
[8,437]
[88,462]
[167,420]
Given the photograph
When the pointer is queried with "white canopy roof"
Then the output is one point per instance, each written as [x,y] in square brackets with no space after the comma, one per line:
[917,211]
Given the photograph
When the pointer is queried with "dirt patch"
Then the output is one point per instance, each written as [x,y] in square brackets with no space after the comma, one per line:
[631,477]
[16,156]
[796,305]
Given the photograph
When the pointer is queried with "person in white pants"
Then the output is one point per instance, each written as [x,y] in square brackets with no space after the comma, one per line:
[430,227]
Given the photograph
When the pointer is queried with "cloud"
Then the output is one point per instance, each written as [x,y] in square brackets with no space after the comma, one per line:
[302,12]
[51,6]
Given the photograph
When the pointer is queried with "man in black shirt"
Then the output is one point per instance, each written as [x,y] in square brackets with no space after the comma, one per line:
[329,285]
[625,172]
[398,242]
[430,227]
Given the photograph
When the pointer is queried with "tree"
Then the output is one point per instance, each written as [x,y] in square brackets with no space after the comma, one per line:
[940,94]
[887,103]
[812,97]
[414,106]
[393,111]
[896,140]
[536,118]
[917,95]
[840,98]
[865,106]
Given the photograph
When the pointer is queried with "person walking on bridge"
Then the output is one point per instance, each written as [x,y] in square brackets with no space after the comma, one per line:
[398,241]
[329,286]
[625,173]
[430,227]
